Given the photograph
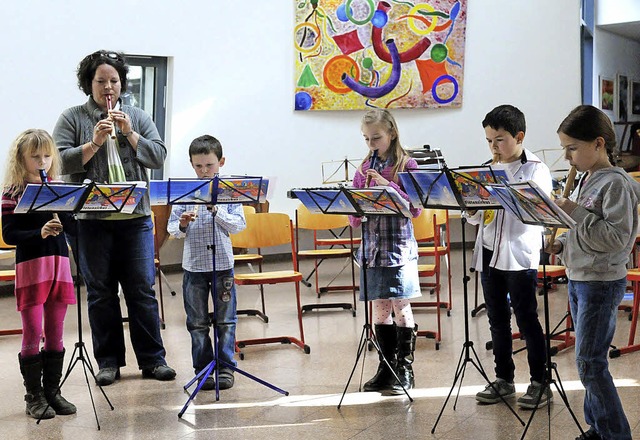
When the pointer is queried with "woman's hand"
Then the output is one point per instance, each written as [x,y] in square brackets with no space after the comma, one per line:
[52,228]
[102,131]
[122,120]
[376,178]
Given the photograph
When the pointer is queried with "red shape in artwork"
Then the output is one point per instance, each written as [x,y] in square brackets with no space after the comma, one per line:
[348,42]
[430,71]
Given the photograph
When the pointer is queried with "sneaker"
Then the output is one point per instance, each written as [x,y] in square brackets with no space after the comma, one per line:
[209,384]
[493,391]
[535,392]
[159,372]
[225,378]
[107,376]
[591,434]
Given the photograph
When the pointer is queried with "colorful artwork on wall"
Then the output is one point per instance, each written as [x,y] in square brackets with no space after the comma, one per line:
[356,54]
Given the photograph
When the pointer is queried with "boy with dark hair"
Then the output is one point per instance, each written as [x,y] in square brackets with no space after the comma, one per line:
[507,253]
[194,222]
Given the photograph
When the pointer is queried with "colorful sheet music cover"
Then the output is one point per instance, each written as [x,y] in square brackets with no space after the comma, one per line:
[56,197]
[231,189]
[380,200]
[325,200]
[463,187]
[115,197]
[531,205]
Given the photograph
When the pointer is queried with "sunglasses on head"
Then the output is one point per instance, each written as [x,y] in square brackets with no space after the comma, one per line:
[111,55]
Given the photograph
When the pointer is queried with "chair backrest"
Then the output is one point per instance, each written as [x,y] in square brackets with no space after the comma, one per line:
[305,219]
[424,228]
[3,244]
[161,214]
[264,230]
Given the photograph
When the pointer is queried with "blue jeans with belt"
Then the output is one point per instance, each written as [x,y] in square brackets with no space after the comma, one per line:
[196,288]
[116,252]
[594,308]
[520,286]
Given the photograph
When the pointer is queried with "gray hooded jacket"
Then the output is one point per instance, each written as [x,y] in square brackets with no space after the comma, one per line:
[598,248]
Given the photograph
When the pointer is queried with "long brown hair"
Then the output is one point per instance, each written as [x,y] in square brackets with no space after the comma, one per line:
[397,154]
[586,123]
[30,141]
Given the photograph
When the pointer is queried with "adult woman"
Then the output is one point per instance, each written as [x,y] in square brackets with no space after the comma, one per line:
[115,249]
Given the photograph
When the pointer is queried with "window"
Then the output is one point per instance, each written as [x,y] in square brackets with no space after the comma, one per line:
[147,89]
[587,29]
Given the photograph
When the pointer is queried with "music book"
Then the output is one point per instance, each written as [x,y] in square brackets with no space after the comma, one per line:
[229,189]
[454,188]
[531,205]
[81,197]
[375,200]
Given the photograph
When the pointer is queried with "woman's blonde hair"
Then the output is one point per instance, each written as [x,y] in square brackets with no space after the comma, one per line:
[397,154]
[28,142]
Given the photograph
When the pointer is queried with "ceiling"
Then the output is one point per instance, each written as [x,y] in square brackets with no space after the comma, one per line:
[629,30]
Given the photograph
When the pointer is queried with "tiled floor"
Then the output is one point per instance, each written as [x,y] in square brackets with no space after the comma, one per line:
[146,409]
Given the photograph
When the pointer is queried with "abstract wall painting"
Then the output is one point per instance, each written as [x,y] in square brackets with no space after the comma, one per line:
[606,93]
[357,54]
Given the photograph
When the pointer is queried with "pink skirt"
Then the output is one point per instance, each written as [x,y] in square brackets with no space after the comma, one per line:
[44,279]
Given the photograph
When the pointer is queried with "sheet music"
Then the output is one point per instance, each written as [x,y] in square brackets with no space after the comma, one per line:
[531,205]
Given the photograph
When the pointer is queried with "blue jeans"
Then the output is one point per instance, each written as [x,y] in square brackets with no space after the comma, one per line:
[196,291]
[594,308]
[521,288]
[121,252]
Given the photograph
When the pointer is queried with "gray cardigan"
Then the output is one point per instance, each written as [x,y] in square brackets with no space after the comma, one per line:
[75,128]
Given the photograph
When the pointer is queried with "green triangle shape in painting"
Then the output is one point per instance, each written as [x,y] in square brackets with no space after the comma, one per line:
[307,78]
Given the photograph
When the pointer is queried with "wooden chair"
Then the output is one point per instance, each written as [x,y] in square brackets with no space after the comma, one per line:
[318,223]
[444,249]
[162,214]
[425,229]
[156,260]
[273,229]
[243,240]
[8,251]
[633,276]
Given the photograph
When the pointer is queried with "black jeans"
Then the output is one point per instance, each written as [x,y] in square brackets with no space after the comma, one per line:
[504,290]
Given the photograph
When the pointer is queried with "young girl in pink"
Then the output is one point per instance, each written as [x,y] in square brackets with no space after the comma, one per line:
[43,284]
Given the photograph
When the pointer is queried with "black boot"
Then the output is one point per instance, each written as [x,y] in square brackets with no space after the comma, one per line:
[383,379]
[404,370]
[37,406]
[51,374]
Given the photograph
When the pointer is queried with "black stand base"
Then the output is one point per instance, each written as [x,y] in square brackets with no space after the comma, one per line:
[83,356]
[460,372]
[215,367]
[369,341]
[548,381]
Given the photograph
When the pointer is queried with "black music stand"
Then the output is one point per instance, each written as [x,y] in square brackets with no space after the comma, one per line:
[74,198]
[462,188]
[532,206]
[215,191]
[358,202]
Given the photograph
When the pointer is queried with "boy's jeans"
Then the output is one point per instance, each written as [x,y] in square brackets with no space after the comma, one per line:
[196,287]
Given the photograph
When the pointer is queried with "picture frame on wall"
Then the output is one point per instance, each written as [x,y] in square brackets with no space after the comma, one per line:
[622,106]
[635,97]
[607,94]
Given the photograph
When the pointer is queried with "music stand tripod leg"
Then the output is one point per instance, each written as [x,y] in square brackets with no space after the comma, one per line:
[550,366]
[214,365]
[79,347]
[365,337]
[467,346]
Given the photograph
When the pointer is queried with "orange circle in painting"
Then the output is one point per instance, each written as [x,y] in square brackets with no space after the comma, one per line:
[334,69]
[316,43]
[412,21]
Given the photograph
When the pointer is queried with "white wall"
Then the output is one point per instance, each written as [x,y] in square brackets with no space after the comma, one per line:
[232,76]
[617,11]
